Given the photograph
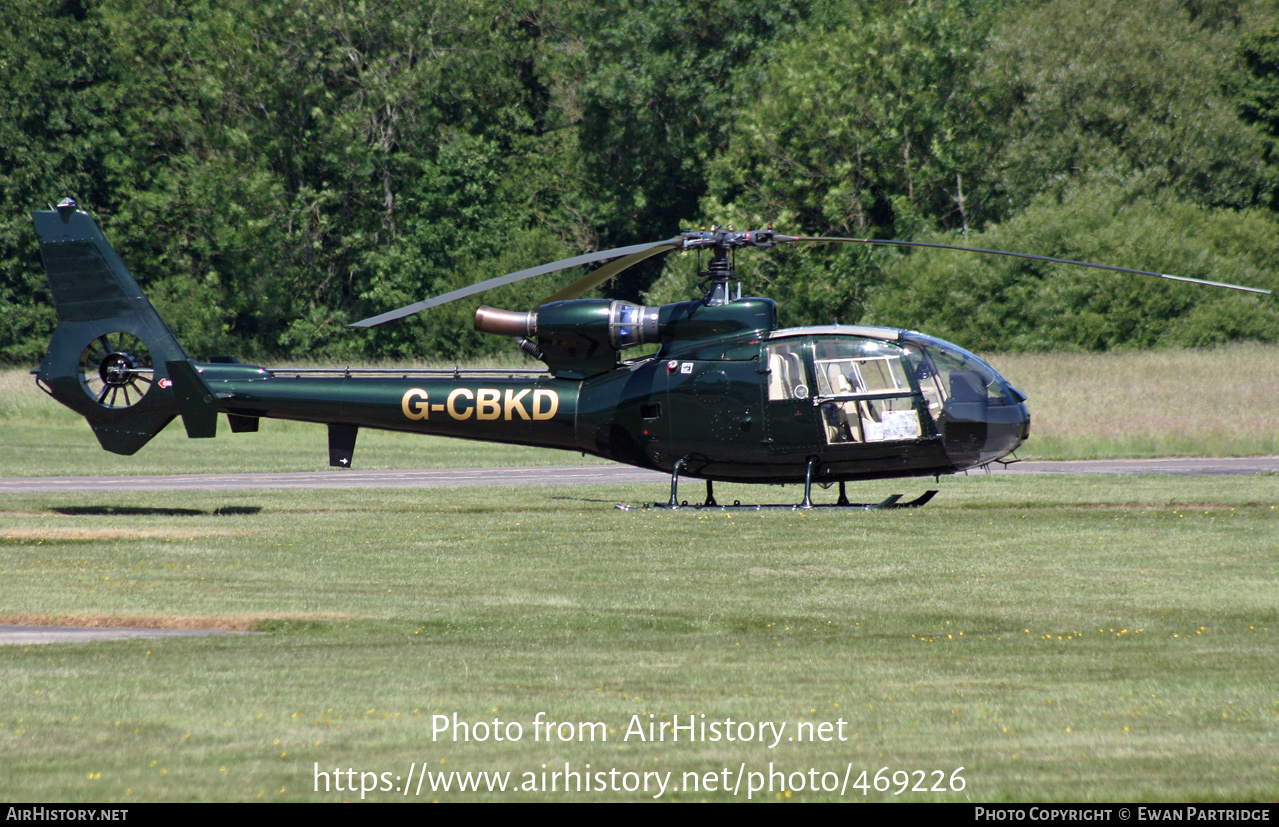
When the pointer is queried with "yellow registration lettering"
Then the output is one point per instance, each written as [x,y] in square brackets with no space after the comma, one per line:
[515,403]
[545,404]
[452,403]
[414,404]
[488,404]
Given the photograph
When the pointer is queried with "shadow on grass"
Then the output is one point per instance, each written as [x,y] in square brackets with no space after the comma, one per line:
[274,625]
[120,510]
[584,500]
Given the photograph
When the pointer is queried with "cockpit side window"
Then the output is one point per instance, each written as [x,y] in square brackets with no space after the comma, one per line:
[926,376]
[787,377]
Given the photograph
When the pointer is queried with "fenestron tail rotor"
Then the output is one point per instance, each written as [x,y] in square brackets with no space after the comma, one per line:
[107,359]
[116,370]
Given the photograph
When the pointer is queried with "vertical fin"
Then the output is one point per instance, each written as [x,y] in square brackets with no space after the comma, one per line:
[107,360]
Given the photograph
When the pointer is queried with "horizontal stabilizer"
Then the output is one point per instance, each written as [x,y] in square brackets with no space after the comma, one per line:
[242,424]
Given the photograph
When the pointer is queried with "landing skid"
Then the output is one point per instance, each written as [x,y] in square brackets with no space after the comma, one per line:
[675,504]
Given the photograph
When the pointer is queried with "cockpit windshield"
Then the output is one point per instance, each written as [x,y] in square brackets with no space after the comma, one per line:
[980,414]
[946,371]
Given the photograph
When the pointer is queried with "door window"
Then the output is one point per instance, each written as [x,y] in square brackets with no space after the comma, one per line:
[864,392]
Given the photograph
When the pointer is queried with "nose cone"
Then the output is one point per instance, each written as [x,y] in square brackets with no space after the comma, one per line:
[978,428]
[1007,427]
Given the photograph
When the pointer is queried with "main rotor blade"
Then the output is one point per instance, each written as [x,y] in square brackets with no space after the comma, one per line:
[1024,255]
[603,274]
[510,278]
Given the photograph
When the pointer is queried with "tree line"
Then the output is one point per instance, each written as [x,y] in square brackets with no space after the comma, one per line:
[272,172]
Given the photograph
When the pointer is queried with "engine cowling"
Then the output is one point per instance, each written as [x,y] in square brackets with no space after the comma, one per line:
[582,337]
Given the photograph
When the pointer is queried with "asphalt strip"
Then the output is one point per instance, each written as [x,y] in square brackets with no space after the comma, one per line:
[568,475]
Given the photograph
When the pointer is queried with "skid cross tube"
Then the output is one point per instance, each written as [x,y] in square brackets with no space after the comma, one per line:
[679,466]
[808,483]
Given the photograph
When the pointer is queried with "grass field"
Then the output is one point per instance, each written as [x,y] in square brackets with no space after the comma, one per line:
[1220,402]
[1081,639]
[1059,639]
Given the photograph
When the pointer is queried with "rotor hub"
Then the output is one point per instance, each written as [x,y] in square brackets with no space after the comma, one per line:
[117,369]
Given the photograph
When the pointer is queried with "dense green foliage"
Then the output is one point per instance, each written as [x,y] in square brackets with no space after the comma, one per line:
[272,172]
[1005,303]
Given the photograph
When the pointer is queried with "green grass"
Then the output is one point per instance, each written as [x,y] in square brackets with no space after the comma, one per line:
[71,450]
[1212,402]
[1078,639]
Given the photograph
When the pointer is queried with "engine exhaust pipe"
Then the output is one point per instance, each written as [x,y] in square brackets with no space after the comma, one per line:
[506,322]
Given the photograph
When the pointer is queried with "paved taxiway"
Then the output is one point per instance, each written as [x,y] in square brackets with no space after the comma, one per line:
[565,475]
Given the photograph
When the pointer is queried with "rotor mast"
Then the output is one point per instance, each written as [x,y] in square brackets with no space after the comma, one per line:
[720,272]
[722,267]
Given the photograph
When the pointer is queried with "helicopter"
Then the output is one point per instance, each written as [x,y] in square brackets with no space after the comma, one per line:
[727,396]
